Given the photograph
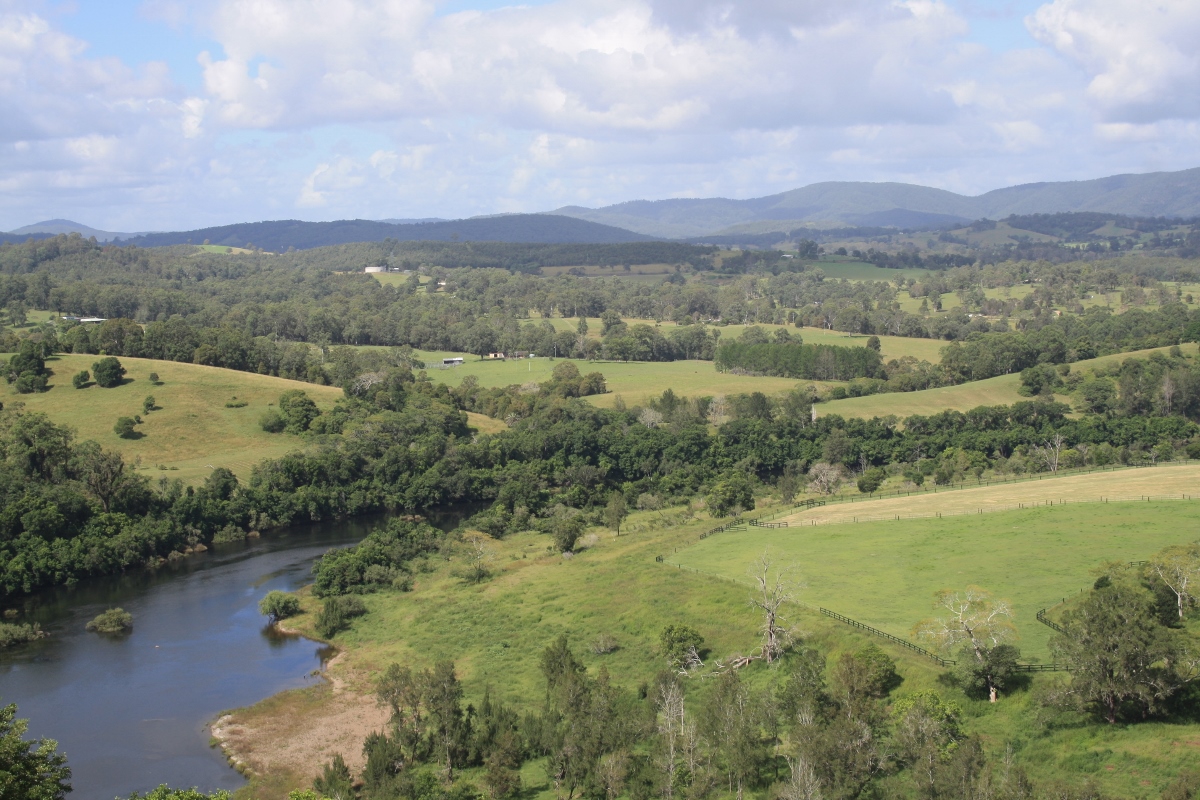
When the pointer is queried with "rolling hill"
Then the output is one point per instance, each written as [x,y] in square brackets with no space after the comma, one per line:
[1175,194]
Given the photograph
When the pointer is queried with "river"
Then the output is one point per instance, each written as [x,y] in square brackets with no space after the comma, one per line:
[132,711]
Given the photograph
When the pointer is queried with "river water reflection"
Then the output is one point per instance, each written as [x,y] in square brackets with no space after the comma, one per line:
[132,712]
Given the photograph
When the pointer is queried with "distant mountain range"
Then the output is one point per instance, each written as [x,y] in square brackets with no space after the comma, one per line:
[279,236]
[901,205]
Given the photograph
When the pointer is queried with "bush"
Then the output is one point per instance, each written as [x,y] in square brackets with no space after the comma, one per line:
[279,605]
[336,614]
[154,378]
[871,480]
[148,404]
[115,620]
[81,379]
[108,372]
[125,428]
[604,643]
[11,634]
[271,422]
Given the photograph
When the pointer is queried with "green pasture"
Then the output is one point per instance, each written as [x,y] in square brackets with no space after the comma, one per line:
[635,382]
[885,573]
[222,249]
[32,319]
[192,431]
[841,267]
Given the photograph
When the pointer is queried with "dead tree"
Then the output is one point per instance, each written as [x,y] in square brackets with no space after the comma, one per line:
[772,591]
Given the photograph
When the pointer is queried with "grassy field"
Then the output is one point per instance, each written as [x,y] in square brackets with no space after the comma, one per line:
[192,430]
[634,382]
[883,573]
[223,250]
[1001,390]
[851,270]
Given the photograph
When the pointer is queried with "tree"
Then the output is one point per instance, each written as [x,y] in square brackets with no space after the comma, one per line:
[108,372]
[81,379]
[975,618]
[277,605]
[772,591]
[449,727]
[125,428]
[733,721]
[335,781]
[1179,569]
[29,770]
[148,404]
[1122,659]
[154,378]
[102,471]
[680,644]
[824,478]
[615,512]
[671,721]
[733,494]
[298,410]
[926,732]
[1049,454]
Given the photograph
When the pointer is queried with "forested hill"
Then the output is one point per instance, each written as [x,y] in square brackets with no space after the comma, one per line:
[280,235]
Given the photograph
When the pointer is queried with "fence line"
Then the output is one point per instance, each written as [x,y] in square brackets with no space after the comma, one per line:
[941,662]
[1042,618]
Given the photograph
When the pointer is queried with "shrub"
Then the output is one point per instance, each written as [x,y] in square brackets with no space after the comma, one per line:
[148,404]
[125,428]
[279,605]
[11,634]
[604,643]
[871,480]
[271,422]
[154,378]
[336,614]
[115,620]
[108,372]
[81,379]
[229,533]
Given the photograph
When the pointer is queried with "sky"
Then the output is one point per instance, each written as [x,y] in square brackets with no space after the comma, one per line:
[136,115]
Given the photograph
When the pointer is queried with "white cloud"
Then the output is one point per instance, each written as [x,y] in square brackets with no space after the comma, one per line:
[1141,57]
[379,108]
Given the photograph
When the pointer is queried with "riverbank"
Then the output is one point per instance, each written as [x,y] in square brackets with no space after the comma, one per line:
[283,742]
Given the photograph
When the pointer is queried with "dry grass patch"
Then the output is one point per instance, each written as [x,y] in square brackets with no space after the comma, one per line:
[1180,479]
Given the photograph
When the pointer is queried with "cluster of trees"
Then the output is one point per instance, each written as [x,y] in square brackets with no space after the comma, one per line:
[806,361]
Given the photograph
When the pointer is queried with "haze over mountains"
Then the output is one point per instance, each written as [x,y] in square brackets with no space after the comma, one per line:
[1171,194]
[901,205]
